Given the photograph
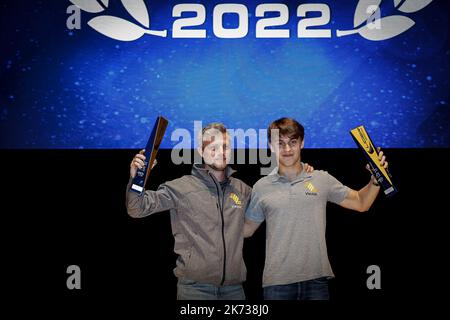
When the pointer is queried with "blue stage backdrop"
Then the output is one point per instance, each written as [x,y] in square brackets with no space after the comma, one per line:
[97,74]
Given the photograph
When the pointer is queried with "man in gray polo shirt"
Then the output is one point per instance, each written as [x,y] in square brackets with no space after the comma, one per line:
[293,204]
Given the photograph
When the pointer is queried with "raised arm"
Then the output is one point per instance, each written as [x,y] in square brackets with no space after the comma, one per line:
[148,202]
[363,199]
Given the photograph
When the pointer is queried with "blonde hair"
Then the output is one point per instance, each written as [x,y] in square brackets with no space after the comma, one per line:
[209,131]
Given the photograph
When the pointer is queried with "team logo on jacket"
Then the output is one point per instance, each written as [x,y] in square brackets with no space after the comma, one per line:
[236,200]
[310,189]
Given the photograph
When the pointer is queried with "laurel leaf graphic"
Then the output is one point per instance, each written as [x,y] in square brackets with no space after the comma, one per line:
[410,6]
[91,6]
[138,10]
[390,27]
[116,28]
[362,13]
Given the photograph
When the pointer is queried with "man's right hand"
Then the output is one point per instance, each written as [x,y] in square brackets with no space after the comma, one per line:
[138,163]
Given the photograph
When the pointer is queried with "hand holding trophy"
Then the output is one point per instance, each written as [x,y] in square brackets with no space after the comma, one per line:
[377,164]
[145,160]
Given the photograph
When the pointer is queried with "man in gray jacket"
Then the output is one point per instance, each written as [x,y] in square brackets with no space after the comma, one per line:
[207,216]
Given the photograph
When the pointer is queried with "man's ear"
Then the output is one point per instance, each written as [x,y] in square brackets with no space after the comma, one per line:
[200,151]
[303,144]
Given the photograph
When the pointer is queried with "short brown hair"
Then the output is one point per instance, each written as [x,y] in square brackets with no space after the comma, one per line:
[214,126]
[288,127]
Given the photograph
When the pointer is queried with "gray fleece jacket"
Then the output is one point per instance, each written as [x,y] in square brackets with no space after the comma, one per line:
[207,223]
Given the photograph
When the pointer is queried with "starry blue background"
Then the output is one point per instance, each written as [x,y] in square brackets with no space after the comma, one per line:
[79,89]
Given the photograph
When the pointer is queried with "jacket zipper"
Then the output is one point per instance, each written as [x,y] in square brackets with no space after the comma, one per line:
[220,207]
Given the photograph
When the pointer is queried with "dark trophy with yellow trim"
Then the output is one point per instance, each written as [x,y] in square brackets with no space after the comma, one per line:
[151,150]
[382,175]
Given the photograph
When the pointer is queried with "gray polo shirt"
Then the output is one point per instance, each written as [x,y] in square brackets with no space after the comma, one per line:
[295,214]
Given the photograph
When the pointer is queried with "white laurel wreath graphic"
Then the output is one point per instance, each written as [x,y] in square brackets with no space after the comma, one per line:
[391,26]
[118,28]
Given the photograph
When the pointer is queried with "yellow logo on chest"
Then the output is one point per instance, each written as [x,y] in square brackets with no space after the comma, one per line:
[235,198]
[310,189]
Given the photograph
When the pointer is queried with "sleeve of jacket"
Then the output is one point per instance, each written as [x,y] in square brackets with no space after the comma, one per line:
[149,201]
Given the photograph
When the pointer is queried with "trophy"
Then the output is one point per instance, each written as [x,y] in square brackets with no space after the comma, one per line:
[382,175]
[151,150]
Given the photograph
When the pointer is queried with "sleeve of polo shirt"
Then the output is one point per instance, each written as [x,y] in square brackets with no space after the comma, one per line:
[254,211]
[337,192]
